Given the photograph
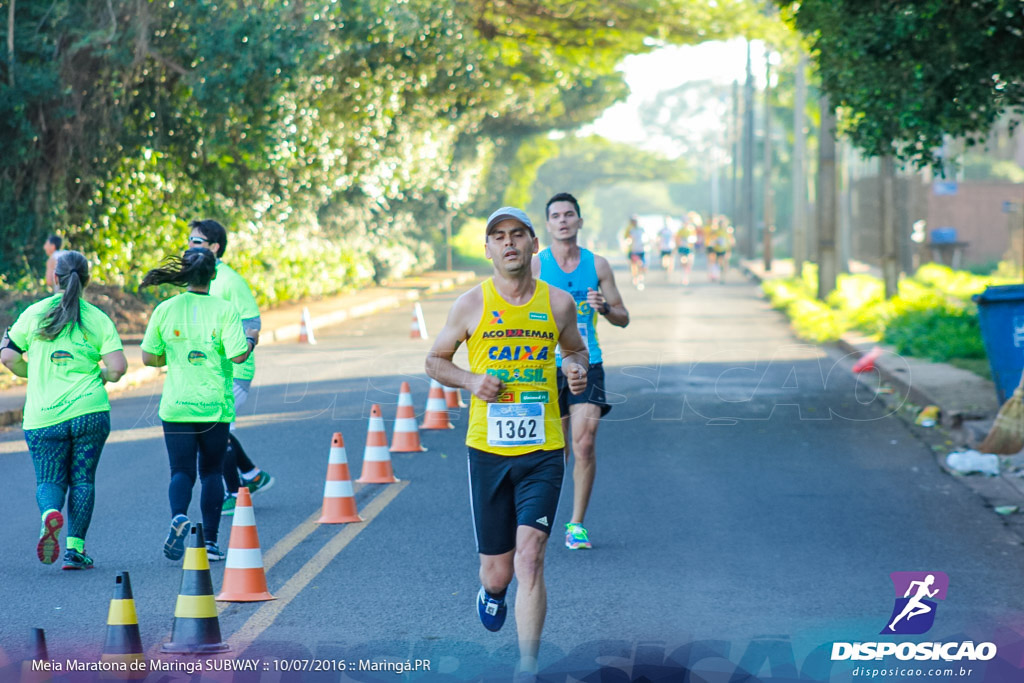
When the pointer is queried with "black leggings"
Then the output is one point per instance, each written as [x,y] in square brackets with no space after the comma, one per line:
[235,459]
[184,440]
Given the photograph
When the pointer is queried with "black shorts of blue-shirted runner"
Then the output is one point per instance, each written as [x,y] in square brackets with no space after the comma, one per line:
[594,393]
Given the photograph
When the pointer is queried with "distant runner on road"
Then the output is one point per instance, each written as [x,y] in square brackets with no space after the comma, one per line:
[589,279]
[511,324]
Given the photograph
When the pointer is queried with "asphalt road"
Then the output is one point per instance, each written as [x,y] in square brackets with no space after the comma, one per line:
[752,501]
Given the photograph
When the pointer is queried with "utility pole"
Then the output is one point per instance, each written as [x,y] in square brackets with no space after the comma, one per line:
[769,192]
[749,220]
[734,139]
[826,196]
[799,168]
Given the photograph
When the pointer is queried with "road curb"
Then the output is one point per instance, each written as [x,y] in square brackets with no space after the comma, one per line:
[410,290]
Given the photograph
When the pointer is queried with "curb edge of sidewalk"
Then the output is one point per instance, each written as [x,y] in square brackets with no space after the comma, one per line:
[288,333]
[848,346]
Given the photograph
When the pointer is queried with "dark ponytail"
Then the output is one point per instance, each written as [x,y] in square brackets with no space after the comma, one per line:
[72,273]
[195,268]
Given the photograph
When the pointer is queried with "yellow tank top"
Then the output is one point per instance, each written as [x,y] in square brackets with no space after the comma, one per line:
[516,344]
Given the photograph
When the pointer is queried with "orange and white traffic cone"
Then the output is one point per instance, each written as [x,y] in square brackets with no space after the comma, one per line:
[453,398]
[406,436]
[339,498]
[866,363]
[436,416]
[306,328]
[376,457]
[244,578]
[418,329]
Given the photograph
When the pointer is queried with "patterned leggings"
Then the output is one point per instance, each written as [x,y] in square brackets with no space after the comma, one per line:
[65,456]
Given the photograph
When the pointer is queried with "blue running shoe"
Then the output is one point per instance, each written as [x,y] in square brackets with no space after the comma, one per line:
[213,552]
[174,546]
[74,559]
[492,612]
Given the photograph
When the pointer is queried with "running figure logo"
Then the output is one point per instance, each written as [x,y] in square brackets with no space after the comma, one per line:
[914,612]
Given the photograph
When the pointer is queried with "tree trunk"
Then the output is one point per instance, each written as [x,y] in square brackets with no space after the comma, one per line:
[890,249]
[826,196]
[10,43]
[799,168]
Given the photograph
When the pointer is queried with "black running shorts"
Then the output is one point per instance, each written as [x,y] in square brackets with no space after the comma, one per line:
[594,393]
[507,492]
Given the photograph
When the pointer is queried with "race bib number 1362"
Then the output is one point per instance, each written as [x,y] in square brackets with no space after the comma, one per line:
[515,424]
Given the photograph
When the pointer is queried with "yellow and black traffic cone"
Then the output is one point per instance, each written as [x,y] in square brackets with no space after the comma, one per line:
[124,643]
[196,627]
[34,669]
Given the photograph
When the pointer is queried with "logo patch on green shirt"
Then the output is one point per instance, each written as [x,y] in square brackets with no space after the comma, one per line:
[61,357]
[196,357]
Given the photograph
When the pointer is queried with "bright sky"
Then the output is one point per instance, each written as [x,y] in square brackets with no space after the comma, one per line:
[667,68]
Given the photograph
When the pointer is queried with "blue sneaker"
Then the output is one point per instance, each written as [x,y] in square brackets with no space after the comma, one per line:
[492,612]
[174,546]
[213,552]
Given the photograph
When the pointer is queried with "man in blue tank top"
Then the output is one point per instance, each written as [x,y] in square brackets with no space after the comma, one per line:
[588,277]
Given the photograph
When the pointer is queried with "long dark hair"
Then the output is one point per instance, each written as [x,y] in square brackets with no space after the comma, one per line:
[72,273]
[195,268]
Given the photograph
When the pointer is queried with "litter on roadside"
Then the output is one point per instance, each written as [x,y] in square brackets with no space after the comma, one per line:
[1006,509]
[967,462]
[928,416]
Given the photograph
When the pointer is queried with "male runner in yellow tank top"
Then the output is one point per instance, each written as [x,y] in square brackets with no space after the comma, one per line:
[511,324]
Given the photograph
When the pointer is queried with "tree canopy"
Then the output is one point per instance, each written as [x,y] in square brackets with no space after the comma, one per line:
[334,139]
[907,73]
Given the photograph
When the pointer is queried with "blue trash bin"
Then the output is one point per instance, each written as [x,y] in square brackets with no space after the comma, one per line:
[1001,316]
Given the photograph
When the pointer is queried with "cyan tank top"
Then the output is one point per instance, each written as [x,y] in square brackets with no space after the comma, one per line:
[576,283]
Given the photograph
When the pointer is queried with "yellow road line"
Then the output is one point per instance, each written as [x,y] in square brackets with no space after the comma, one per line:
[268,612]
[296,536]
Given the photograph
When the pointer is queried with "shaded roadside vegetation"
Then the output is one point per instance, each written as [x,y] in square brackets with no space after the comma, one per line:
[337,140]
[932,316]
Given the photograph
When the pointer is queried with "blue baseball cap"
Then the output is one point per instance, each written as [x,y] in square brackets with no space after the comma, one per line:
[507,212]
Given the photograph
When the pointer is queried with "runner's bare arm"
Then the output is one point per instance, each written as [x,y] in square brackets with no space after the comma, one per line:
[114,366]
[14,361]
[615,312]
[153,360]
[461,323]
[575,357]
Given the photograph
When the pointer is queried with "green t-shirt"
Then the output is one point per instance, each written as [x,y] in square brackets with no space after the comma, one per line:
[64,374]
[231,286]
[200,335]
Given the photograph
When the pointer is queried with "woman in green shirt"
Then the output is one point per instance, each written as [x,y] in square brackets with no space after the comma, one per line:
[67,413]
[197,337]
